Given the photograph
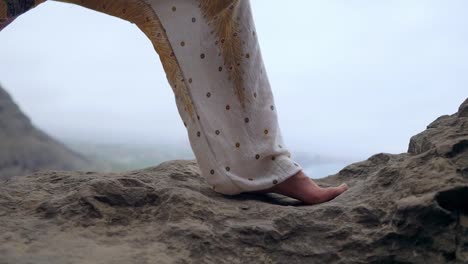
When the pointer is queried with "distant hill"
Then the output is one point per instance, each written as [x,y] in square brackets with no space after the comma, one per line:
[118,157]
[24,148]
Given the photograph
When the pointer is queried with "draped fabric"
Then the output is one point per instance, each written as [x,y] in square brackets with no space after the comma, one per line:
[209,50]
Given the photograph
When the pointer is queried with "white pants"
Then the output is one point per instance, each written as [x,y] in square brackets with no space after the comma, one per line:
[210,53]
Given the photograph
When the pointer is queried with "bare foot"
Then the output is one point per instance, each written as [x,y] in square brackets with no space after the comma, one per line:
[305,189]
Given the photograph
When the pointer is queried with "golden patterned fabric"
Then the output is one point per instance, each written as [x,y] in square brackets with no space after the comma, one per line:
[212,60]
[220,14]
[140,13]
[223,16]
[10,9]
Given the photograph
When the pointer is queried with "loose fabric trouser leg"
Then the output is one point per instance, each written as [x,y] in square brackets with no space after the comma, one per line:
[210,52]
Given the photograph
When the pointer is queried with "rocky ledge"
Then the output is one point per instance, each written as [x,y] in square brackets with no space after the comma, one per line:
[400,208]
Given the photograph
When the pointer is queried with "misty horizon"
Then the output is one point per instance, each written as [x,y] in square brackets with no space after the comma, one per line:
[349,79]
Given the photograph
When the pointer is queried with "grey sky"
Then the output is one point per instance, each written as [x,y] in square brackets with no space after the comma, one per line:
[350,78]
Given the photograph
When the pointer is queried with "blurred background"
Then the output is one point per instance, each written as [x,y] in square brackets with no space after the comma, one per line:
[350,79]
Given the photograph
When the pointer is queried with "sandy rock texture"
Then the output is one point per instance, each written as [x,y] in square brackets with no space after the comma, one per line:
[400,208]
[24,148]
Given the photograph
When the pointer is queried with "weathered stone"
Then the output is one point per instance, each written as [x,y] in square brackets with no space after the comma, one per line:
[400,208]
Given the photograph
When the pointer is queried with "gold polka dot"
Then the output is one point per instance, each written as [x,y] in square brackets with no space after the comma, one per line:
[198,117]
[173,8]
[190,80]
[212,171]
[273,157]
[257,156]
[198,133]
[253,33]
[272,107]
[228,169]
[296,164]
[265,131]
[237,144]
[275,181]
[250,179]
[194,19]
[246,119]
[217,132]
[289,156]
[280,146]
[255,95]
[220,68]
[202,55]
[247,55]
[182,43]
[208,94]
[228,107]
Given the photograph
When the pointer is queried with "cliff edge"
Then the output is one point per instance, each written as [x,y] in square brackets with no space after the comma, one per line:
[401,208]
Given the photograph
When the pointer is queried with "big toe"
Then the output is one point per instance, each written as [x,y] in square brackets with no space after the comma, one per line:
[343,186]
[335,191]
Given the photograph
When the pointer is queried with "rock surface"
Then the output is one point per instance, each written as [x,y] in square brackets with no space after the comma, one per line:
[24,148]
[400,208]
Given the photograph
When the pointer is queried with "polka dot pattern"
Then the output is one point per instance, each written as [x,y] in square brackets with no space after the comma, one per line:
[231,117]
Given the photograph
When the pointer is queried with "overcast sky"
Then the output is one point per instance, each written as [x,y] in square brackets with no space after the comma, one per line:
[350,78]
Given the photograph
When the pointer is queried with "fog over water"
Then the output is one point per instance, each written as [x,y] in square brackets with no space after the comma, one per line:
[350,78]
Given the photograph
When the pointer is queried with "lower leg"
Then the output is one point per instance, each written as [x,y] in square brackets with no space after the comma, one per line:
[212,59]
[236,137]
